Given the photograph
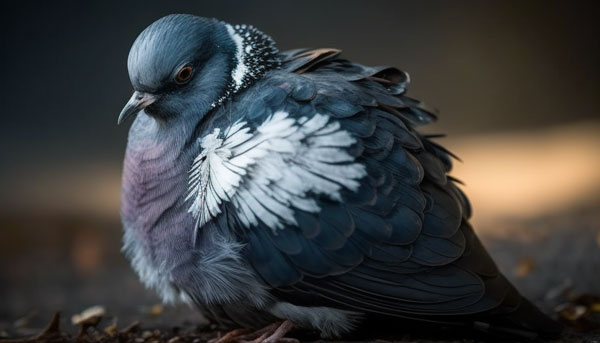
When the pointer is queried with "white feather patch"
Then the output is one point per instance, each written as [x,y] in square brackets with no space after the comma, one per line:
[268,173]
[241,69]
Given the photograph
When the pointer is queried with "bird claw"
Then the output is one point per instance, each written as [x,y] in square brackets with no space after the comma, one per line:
[277,335]
[286,340]
[229,337]
[259,339]
[273,333]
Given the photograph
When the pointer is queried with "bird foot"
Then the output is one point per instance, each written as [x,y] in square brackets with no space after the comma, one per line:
[229,337]
[273,333]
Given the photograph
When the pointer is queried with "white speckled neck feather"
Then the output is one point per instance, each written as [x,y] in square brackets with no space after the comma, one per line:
[255,54]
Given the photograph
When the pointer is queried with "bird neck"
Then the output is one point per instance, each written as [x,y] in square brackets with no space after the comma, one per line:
[256,54]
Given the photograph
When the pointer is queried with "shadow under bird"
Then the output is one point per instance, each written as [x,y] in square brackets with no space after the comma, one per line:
[291,189]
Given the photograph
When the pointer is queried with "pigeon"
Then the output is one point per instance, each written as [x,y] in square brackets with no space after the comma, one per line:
[278,190]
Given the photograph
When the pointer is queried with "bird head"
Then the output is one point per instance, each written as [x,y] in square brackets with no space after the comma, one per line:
[187,65]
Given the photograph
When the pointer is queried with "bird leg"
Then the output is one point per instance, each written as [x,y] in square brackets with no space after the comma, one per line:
[273,333]
[231,336]
[280,332]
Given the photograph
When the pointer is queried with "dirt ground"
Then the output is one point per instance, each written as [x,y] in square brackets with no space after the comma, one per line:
[70,264]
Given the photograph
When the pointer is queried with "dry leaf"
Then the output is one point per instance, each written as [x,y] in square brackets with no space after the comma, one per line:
[585,299]
[147,334]
[560,290]
[571,312]
[131,328]
[578,314]
[88,316]
[111,329]
[23,322]
[156,310]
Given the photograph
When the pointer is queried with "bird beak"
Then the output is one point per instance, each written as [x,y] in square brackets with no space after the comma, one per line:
[138,102]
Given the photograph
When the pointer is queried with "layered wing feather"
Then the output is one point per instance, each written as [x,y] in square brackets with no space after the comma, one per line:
[357,213]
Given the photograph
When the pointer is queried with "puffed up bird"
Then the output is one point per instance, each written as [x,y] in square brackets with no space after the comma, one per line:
[291,189]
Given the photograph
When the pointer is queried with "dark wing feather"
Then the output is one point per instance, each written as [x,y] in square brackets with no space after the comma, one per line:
[399,246]
[302,60]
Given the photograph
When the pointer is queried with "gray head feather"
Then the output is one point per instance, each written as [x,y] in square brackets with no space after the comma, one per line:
[171,42]
[224,60]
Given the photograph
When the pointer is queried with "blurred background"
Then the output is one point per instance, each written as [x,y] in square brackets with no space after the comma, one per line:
[517,84]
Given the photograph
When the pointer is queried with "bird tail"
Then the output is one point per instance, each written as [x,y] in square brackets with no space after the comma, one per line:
[526,320]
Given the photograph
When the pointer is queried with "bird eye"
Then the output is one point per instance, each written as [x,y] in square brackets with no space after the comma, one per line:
[184,74]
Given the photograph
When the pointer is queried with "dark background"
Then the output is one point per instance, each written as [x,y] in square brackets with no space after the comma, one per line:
[488,65]
[517,83]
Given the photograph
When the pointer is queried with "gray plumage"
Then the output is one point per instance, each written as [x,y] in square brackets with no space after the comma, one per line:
[294,185]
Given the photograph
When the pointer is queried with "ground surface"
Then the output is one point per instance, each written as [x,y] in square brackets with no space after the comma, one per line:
[69,264]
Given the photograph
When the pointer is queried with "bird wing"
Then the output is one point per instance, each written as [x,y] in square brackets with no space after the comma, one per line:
[339,200]
[272,171]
